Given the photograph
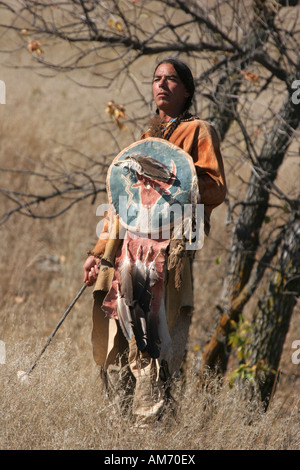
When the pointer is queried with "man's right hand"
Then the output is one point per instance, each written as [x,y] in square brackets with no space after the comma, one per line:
[91,270]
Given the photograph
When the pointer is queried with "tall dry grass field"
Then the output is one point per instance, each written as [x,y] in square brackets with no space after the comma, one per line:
[64,405]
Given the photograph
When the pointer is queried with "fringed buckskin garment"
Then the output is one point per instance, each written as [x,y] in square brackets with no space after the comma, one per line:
[152,363]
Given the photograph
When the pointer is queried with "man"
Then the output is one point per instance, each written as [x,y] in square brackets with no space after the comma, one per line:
[173,90]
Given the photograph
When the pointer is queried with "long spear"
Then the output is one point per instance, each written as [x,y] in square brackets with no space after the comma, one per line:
[109,254]
[23,375]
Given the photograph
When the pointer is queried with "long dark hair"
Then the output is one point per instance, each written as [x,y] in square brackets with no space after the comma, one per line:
[185,75]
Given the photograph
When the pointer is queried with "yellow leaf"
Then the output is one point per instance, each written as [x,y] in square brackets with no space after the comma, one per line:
[34,46]
[252,77]
[116,111]
[120,125]
[121,111]
[119,27]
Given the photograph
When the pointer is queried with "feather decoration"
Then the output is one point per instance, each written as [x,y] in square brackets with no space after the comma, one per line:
[153,274]
[163,329]
[124,316]
[139,276]
[125,278]
[142,296]
[145,267]
[146,296]
[190,221]
[153,339]
[138,265]
[139,326]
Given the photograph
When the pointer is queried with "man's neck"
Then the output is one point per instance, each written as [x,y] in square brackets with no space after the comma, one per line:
[166,117]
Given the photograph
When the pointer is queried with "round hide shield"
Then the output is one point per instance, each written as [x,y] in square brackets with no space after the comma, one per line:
[149,185]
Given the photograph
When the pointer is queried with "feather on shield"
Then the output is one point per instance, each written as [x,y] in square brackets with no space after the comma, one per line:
[142,296]
[126,279]
[139,326]
[163,330]
[153,339]
[124,316]
[139,278]
[152,168]
[152,271]
[146,166]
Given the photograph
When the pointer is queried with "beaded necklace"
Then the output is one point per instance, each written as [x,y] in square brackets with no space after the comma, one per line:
[165,126]
[169,128]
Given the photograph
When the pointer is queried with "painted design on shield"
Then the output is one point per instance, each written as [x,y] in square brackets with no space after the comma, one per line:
[149,183]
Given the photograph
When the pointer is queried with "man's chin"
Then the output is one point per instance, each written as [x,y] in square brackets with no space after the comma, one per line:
[162,102]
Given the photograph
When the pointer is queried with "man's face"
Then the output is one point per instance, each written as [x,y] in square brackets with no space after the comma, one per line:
[169,92]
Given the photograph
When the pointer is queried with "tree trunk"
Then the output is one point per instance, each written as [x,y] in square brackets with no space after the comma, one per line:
[273,313]
[245,238]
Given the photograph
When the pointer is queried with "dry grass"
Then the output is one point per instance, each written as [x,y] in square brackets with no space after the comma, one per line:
[64,406]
